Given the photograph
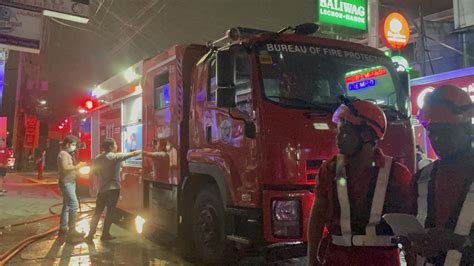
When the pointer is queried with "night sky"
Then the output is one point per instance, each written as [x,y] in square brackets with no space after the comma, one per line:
[75,57]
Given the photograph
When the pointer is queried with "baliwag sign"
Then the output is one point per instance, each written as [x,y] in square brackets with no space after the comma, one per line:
[348,13]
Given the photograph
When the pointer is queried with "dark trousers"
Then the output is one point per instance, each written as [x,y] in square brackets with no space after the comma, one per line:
[109,199]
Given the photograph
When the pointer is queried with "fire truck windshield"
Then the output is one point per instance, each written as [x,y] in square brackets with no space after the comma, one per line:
[305,76]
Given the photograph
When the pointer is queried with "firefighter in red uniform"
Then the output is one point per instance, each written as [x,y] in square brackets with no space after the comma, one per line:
[445,187]
[355,189]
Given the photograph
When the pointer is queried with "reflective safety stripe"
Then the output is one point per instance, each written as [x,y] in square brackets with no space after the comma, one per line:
[421,261]
[465,219]
[463,226]
[363,241]
[370,239]
[379,197]
[453,258]
[343,197]
[422,202]
[345,241]
[422,199]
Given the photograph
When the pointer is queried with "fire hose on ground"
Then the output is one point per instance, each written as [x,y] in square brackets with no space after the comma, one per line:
[9,254]
[53,215]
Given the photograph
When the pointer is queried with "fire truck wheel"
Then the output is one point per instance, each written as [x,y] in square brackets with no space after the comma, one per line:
[208,225]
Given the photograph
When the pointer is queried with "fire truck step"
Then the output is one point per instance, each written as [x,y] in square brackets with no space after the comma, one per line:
[238,239]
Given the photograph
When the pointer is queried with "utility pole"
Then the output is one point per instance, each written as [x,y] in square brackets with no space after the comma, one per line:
[373,23]
[422,43]
[25,107]
[16,120]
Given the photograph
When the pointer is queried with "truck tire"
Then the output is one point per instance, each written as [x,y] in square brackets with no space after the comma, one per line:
[208,226]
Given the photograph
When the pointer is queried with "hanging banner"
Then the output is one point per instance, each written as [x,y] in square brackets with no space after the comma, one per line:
[31,132]
[347,13]
[20,29]
[73,10]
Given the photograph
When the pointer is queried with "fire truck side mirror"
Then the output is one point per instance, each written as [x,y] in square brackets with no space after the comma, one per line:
[225,79]
[225,97]
[224,69]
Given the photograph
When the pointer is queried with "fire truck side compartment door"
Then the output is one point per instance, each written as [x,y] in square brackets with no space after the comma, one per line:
[164,207]
[131,198]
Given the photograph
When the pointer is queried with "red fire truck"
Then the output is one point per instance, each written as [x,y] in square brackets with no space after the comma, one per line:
[244,127]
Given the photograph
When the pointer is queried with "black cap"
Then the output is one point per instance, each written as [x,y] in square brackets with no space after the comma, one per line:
[70,139]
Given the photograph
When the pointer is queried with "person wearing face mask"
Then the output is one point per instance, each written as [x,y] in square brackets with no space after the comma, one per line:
[445,187]
[67,184]
[157,151]
[107,167]
[354,190]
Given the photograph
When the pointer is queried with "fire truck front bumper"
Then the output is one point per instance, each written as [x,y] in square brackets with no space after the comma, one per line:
[272,252]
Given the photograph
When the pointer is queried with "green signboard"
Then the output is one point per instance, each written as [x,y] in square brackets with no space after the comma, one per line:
[348,13]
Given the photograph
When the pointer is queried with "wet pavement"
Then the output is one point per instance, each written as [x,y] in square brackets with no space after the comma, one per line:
[29,199]
[127,249]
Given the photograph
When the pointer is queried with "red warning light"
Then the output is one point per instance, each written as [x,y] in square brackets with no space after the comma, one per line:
[60,127]
[89,104]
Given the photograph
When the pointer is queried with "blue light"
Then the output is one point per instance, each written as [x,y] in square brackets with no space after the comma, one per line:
[86,125]
[167,116]
[166,95]
[2,75]
[362,84]
[201,96]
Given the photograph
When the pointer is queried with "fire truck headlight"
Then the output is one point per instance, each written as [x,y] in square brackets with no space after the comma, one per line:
[85,170]
[286,218]
[139,222]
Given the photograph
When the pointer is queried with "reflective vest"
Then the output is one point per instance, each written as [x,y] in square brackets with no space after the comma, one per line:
[464,222]
[370,238]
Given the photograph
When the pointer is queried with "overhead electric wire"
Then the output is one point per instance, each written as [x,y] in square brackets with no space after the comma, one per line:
[101,3]
[130,38]
[97,23]
[139,14]
[106,12]
[75,27]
